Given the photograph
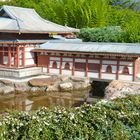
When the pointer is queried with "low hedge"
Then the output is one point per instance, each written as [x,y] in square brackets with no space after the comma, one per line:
[105,120]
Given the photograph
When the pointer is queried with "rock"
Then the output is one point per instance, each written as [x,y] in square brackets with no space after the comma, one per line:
[7,89]
[121,89]
[22,86]
[66,86]
[6,82]
[34,89]
[53,88]
[64,78]
[78,79]
[41,82]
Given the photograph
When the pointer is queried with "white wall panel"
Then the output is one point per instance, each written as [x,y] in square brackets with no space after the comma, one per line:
[58,64]
[5,60]
[78,73]
[126,63]
[93,75]
[12,60]
[44,70]
[29,62]
[54,71]
[29,55]
[108,62]
[67,72]
[63,65]
[29,49]
[126,77]
[67,59]
[55,58]
[108,76]
[80,60]
[94,61]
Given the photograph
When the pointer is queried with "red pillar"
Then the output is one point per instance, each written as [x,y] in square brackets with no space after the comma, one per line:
[23,56]
[86,74]
[17,58]
[117,73]
[134,69]
[48,66]
[61,57]
[9,56]
[100,70]
[73,66]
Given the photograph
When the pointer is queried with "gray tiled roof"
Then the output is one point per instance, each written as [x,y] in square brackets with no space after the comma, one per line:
[119,48]
[25,20]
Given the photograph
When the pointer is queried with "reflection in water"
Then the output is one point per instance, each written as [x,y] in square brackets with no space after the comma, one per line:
[25,103]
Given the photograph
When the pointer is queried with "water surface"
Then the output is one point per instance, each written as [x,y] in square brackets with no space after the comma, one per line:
[22,102]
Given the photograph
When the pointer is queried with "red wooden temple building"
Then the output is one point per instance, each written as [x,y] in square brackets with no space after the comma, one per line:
[28,48]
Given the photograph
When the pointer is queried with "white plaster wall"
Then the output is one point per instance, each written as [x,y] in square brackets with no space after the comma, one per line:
[114,68]
[29,62]
[55,58]
[109,62]
[12,60]
[63,65]
[126,63]
[94,61]
[80,60]
[93,75]
[108,76]
[29,49]
[58,64]
[130,69]
[126,77]
[5,60]
[79,74]
[67,72]
[68,59]
[44,70]
[29,55]
[54,71]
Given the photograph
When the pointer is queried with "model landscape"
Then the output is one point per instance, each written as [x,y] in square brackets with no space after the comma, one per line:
[69,70]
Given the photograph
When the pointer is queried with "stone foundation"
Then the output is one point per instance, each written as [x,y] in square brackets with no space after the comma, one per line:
[20,73]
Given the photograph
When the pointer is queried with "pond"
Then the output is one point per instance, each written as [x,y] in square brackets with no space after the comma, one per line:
[24,102]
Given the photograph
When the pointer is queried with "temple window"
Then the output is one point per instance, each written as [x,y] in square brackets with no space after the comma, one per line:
[125,70]
[54,65]
[67,66]
[109,69]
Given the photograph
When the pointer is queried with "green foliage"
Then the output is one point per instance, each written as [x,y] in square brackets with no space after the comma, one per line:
[89,14]
[104,34]
[106,120]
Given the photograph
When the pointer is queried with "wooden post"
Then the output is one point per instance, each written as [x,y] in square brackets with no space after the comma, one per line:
[9,56]
[134,69]
[73,66]
[86,74]
[118,67]
[23,56]
[60,67]
[100,70]
[17,58]
[48,66]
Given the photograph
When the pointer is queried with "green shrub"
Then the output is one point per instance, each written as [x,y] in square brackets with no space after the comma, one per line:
[106,120]
[104,34]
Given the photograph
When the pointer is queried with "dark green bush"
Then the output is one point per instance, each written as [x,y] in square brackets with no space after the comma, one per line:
[106,120]
[104,34]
